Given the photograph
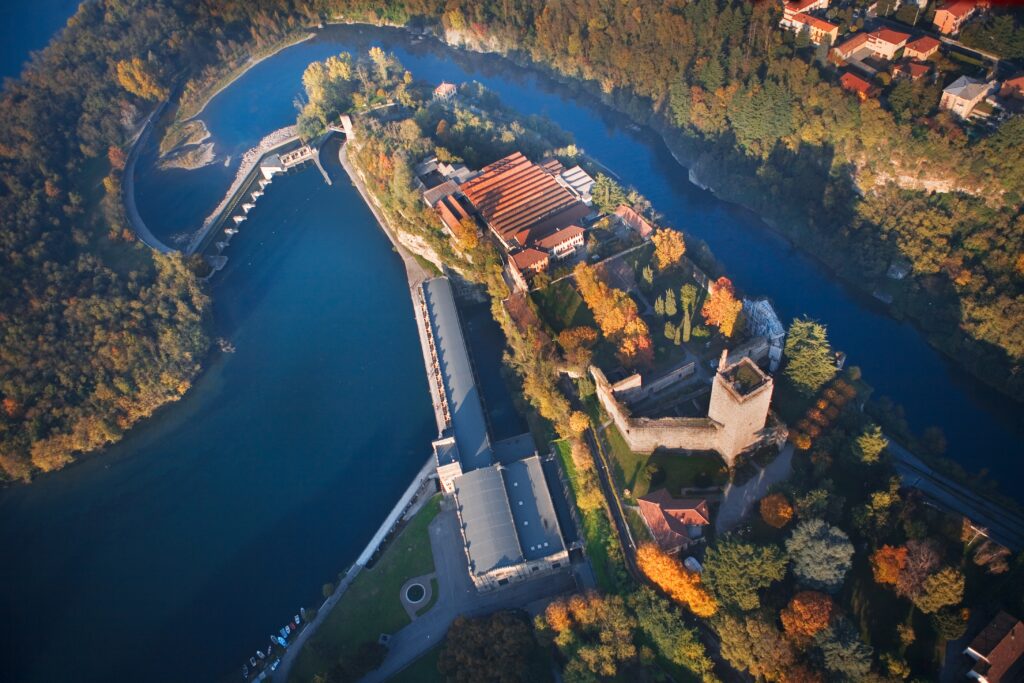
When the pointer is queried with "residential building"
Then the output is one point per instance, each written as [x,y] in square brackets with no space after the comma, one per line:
[435,194]
[912,69]
[530,260]
[674,523]
[1013,88]
[950,18]
[848,48]
[562,243]
[921,48]
[521,202]
[857,85]
[963,95]
[791,9]
[885,43]
[452,213]
[818,30]
[445,92]
[634,220]
[998,651]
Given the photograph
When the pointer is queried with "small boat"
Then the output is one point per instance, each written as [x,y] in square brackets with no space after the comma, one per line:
[252,661]
[248,207]
[282,642]
[245,672]
[283,631]
[257,194]
[259,653]
[277,663]
[291,628]
[297,622]
[239,220]
[231,231]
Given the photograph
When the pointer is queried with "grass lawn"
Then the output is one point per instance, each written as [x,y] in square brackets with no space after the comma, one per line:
[641,534]
[628,468]
[684,471]
[562,307]
[423,670]
[372,604]
[597,531]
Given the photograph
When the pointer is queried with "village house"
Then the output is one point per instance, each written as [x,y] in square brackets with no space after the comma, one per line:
[674,523]
[634,221]
[884,44]
[921,48]
[963,95]
[818,30]
[562,243]
[950,18]
[791,9]
[1013,88]
[998,651]
[846,50]
[445,92]
[530,260]
[853,83]
[452,213]
[912,69]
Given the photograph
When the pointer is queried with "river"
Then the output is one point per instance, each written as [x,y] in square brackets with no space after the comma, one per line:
[28,26]
[175,554]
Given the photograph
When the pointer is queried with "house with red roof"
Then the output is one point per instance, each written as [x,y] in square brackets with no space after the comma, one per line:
[634,220]
[885,43]
[848,48]
[818,30]
[674,523]
[1013,87]
[855,84]
[912,69]
[950,18]
[998,651]
[921,48]
[562,243]
[530,260]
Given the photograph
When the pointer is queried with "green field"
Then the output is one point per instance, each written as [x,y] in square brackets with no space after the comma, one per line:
[423,670]
[672,471]
[371,605]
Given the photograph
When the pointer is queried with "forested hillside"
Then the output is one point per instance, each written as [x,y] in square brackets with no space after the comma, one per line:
[96,332]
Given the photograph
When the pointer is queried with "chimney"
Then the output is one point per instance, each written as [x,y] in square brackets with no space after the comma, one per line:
[724,361]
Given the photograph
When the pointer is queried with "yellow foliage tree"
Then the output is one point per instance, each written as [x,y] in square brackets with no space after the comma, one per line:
[722,308]
[138,78]
[671,576]
[776,510]
[669,247]
[578,422]
[617,315]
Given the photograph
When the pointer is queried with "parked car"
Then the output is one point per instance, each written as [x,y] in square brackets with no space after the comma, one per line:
[693,565]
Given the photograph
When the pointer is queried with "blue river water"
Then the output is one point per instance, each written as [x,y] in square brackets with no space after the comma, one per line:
[28,25]
[175,554]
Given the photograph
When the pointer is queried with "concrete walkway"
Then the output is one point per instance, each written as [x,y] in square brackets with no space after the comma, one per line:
[457,596]
[411,608]
[128,187]
[737,500]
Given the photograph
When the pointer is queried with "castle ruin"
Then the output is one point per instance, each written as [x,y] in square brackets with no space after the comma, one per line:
[738,412]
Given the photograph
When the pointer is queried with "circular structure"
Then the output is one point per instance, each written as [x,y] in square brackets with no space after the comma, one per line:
[415,593]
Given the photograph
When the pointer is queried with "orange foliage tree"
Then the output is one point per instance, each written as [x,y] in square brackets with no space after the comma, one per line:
[806,614]
[669,247]
[887,563]
[617,315]
[776,510]
[722,308]
[671,576]
[577,342]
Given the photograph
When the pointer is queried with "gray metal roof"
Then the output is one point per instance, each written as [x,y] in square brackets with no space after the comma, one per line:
[445,451]
[486,520]
[532,509]
[514,448]
[459,384]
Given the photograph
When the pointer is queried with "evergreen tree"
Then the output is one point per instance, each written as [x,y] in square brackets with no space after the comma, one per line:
[687,327]
[659,306]
[670,330]
[809,359]
[678,338]
[821,554]
[712,76]
[648,276]
[670,303]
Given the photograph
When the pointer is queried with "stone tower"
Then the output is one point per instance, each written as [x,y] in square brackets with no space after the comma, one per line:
[740,396]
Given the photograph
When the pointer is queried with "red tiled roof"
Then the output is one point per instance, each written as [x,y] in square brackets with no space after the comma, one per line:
[530,259]
[559,237]
[913,69]
[815,22]
[848,47]
[1001,643]
[855,83]
[958,9]
[924,44]
[668,517]
[799,5]
[634,220]
[514,195]
[887,35]
[451,212]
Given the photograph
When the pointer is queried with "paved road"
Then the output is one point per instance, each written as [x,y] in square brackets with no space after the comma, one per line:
[737,500]
[456,595]
[1003,526]
[128,187]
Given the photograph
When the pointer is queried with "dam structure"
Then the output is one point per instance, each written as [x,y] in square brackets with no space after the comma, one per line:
[507,517]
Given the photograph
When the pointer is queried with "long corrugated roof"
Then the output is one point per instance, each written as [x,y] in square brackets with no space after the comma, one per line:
[459,384]
[487,523]
[513,194]
[532,509]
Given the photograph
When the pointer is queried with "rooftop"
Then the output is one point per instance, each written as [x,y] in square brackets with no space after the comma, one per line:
[851,81]
[815,22]
[923,44]
[848,47]
[669,518]
[470,428]
[529,258]
[887,35]
[559,236]
[744,377]
[532,509]
[959,9]
[515,195]
[966,88]
[487,523]
[1001,643]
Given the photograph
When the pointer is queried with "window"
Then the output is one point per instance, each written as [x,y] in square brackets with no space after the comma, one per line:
[503,582]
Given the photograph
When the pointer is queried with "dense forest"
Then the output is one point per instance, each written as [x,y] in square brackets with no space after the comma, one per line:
[97,332]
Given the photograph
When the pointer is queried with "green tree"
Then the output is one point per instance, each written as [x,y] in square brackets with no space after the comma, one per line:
[497,648]
[735,571]
[752,643]
[944,588]
[844,653]
[607,193]
[809,359]
[821,554]
[680,645]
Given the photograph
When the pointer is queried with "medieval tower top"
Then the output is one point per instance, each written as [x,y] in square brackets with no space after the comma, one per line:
[740,396]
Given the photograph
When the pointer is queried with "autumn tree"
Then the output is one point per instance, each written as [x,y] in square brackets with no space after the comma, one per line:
[734,571]
[921,560]
[675,641]
[669,247]
[576,343]
[578,422]
[869,446]
[467,234]
[671,576]
[809,359]
[821,554]
[807,613]
[617,315]
[722,308]
[942,589]
[595,633]
[776,510]
[887,563]
[496,648]
[752,643]
[140,79]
